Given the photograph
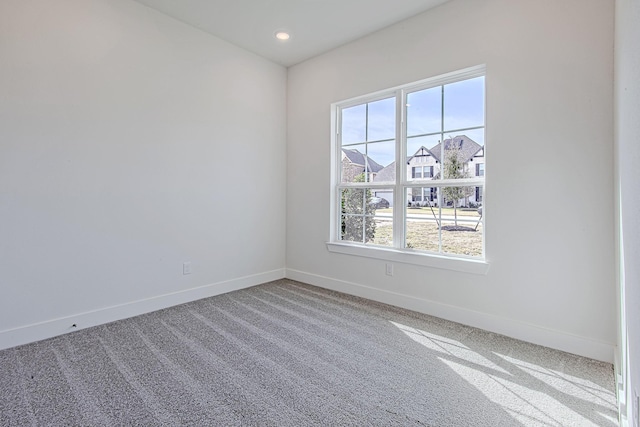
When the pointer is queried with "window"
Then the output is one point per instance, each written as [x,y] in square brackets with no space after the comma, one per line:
[428,172]
[421,171]
[431,200]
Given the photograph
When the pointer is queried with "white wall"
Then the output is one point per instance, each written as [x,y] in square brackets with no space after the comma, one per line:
[627,129]
[549,90]
[129,143]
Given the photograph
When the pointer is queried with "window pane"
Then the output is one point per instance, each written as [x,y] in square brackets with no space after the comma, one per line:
[353,202]
[354,209]
[457,197]
[355,162]
[421,228]
[381,154]
[382,119]
[476,135]
[422,165]
[449,230]
[424,111]
[363,210]
[463,238]
[422,197]
[382,202]
[461,224]
[384,229]
[464,104]
[459,153]
[354,124]
[352,228]
[414,144]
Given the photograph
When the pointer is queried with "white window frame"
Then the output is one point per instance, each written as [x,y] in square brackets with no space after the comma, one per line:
[397,253]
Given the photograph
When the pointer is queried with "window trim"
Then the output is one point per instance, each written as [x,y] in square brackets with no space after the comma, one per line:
[409,256]
[457,262]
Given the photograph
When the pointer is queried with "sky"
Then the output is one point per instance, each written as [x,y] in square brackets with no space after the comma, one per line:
[463,108]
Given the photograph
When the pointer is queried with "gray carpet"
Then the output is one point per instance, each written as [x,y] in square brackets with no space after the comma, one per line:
[289,354]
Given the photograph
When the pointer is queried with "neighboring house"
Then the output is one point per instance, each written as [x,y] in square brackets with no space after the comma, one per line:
[355,163]
[426,164]
[386,174]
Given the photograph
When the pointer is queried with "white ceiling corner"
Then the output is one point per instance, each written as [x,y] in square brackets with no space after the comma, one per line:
[316,26]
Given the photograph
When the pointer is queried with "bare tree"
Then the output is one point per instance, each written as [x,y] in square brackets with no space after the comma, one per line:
[453,167]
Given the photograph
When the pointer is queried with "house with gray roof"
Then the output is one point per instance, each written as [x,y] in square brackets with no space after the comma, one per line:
[355,163]
[426,163]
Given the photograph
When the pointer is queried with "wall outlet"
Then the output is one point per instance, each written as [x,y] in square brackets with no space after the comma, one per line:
[186,267]
[389,269]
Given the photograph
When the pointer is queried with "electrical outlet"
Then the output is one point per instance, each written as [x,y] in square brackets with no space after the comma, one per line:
[186,267]
[389,269]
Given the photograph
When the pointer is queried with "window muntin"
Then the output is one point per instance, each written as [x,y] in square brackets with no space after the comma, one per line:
[439,131]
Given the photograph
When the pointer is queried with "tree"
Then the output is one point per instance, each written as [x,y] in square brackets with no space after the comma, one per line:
[357,212]
[453,168]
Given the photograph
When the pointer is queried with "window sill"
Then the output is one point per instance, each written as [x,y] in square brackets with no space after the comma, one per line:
[466,265]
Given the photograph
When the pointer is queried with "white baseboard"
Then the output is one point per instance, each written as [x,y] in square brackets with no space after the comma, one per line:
[51,328]
[515,329]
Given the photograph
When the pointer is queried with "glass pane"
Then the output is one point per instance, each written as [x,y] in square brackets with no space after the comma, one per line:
[381,154]
[382,204]
[424,111]
[354,124]
[461,223]
[382,119]
[464,104]
[459,153]
[384,228]
[353,163]
[352,228]
[363,210]
[422,232]
[353,201]
[463,237]
[457,197]
[415,143]
[370,229]
[476,135]
[422,219]
[421,155]
[381,200]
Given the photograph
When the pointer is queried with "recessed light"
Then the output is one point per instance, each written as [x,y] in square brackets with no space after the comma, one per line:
[282,35]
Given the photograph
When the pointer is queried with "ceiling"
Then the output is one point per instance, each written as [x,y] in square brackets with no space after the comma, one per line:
[315,26]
